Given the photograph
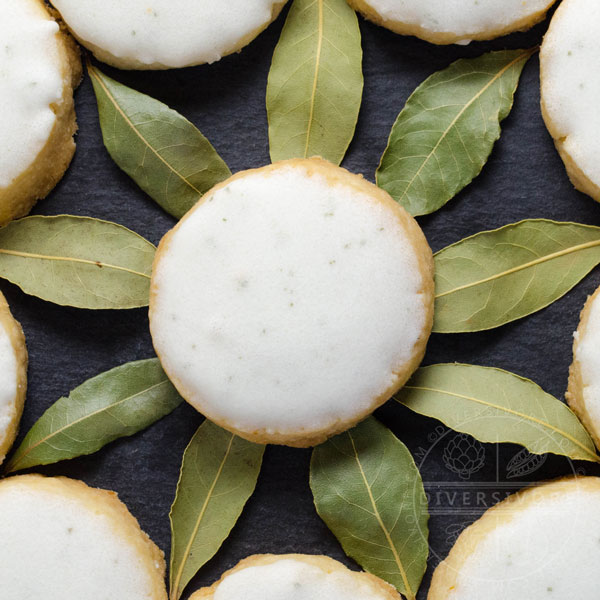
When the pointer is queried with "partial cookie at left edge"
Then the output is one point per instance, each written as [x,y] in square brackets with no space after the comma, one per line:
[41,67]
[13,377]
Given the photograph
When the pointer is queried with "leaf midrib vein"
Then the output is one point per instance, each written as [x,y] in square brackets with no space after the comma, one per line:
[522,267]
[316,78]
[129,122]
[510,411]
[458,116]
[209,497]
[388,537]
[81,419]
[85,261]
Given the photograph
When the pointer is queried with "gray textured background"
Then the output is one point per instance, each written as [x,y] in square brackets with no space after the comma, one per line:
[523,179]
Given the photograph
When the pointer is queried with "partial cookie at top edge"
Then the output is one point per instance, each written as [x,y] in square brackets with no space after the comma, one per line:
[447,37]
[131,59]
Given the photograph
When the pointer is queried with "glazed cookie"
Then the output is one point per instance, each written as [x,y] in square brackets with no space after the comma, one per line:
[292,301]
[39,66]
[454,21]
[540,543]
[163,34]
[13,377]
[570,88]
[583,394]
[296,577]
[62,540]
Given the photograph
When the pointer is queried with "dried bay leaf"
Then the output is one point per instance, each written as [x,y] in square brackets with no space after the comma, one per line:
[115,404]
[369,492]
[218,476]
[315,83]
[446,132]
[495,277]
[159,149]
[497,406]
[77,261]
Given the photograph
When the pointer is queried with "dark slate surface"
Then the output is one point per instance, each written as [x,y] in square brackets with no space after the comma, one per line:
[523,179]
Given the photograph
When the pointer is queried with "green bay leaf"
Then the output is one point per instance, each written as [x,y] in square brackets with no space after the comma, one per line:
[498,276]
[115,404]
[497,406]
[445,133]
[159,149]
[218,476]
[369,492]
[315,83]
[77,261]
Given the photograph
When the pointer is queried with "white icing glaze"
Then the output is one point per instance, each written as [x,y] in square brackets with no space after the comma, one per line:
[571,83]
[289,579]
[285,303]
[8,384]
[587,355]
[57,547]
[549,549]
[31,81]
[461,17]
[173,33]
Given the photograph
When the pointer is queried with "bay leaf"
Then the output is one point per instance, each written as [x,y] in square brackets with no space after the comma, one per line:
[497,406]
[77,261]
[369,492]
[218,476]
[498,276]
[315,83]
[115,404]
[159,149]
[445,133]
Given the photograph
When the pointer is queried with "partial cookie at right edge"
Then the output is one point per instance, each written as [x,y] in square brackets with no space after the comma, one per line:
[538,544]
[570,88]
[583,394]
[296,577]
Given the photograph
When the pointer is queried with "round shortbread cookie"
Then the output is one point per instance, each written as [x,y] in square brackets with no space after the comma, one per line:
[13,377]
[292,301]
[39,68]
[62,540]
[541,543]
[570,86]
[583,394]
[296,577]
[165,34]
[454,21]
